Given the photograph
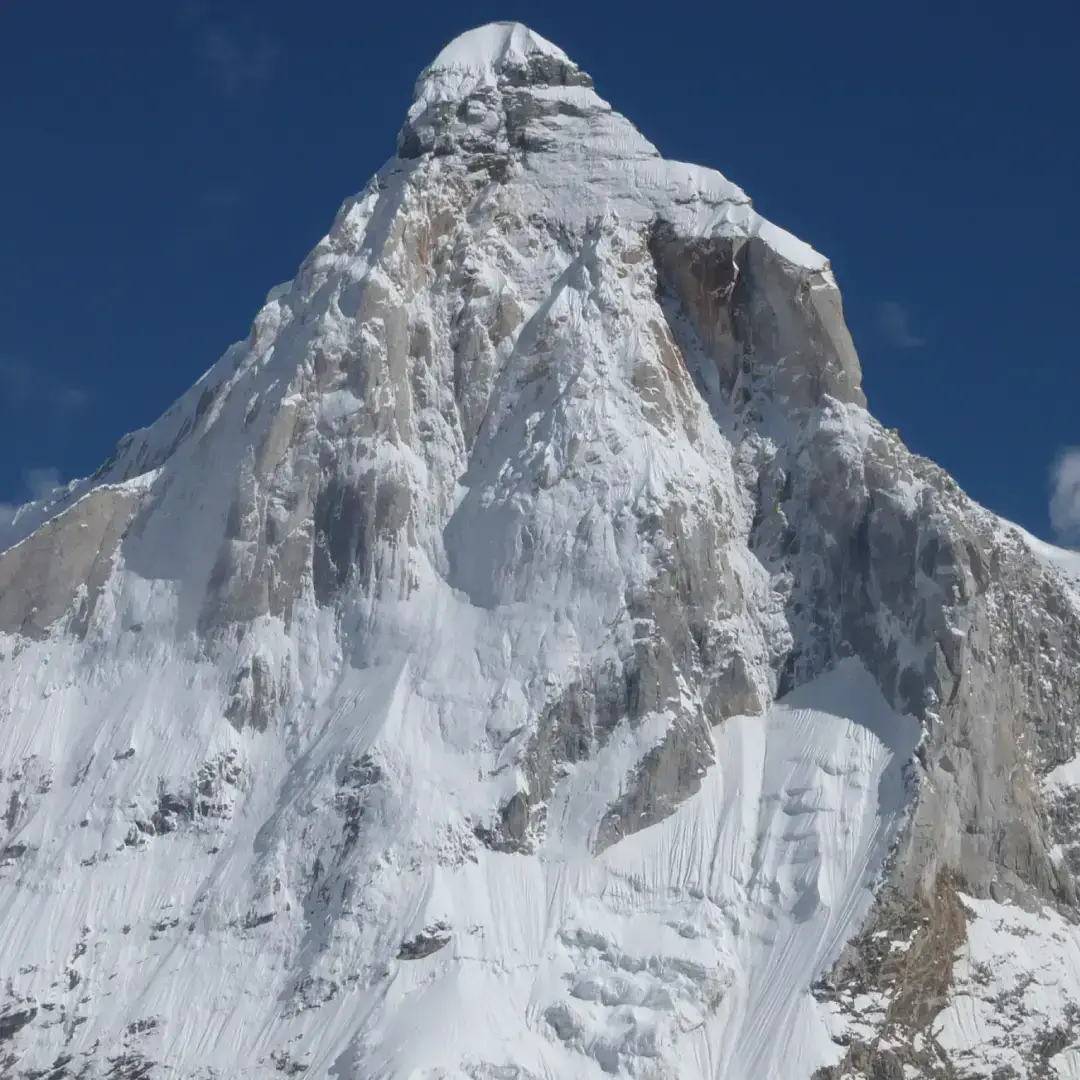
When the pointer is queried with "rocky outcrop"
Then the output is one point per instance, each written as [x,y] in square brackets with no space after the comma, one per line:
[58,573]
[960,626]
[769,327]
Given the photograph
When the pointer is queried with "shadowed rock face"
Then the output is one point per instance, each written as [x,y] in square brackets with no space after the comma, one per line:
[960,626]
[768,326]
[552,459]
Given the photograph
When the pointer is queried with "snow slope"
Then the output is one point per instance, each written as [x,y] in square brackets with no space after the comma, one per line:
[686,949]
[689,948]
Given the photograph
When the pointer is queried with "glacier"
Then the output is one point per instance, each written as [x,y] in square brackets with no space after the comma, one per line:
[524,656]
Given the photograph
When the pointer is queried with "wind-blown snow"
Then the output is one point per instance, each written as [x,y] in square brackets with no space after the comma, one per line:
[1063,558]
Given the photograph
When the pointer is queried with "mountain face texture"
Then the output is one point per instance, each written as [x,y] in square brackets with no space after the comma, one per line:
[525,657]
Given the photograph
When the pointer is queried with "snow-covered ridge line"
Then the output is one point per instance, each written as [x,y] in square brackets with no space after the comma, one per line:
[41,513]
[147,451]
[640,184]
[530,659]
[476,70]
[1060,558]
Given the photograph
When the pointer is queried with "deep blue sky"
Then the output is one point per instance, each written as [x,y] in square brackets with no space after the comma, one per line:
[164,164]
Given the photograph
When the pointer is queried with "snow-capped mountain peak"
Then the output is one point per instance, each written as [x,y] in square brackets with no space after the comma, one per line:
[494,48]
[499,54]
[524,656]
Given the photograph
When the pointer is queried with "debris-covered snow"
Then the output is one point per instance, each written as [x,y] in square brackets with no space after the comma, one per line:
[1015,1007]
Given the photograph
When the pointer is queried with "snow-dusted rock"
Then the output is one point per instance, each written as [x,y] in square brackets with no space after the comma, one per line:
[524,656]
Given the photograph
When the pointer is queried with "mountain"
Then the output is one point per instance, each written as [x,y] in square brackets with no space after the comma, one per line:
[524,657]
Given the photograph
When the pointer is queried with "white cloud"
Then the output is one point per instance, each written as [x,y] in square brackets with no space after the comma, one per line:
[41,482]
[37,484]
[895,324]
[1065,495]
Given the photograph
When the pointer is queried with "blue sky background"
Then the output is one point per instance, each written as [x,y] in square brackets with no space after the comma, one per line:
[164,164]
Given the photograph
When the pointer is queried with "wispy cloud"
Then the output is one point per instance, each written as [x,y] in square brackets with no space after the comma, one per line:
[236,68]
[895,324]
[1065,496]
[41,482]
[37,392]
[30,387]
[36,484]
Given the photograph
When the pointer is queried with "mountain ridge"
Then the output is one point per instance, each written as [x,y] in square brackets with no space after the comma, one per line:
[528,612]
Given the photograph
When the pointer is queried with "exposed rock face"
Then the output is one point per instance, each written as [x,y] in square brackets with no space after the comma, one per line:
[58,572]
[960,626]
[428,652]
[768,326]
